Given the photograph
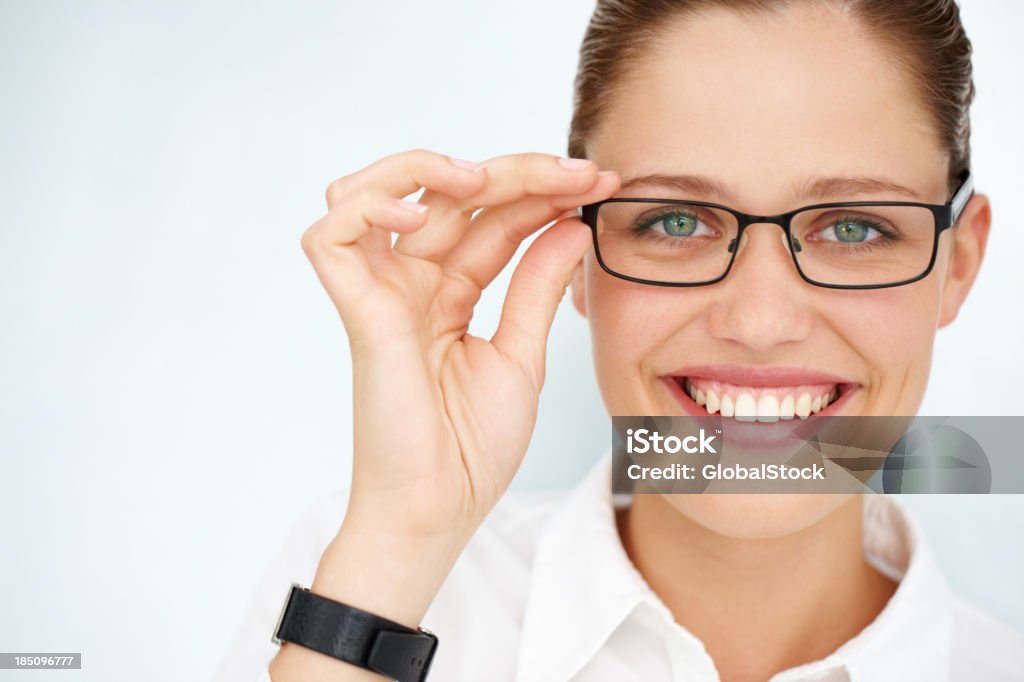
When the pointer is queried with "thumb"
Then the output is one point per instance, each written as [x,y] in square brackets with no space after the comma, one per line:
[535,290]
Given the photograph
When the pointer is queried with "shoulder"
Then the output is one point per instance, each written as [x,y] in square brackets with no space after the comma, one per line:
[984,648]
[518,518]
[500,554]
[505,540]
[514,521]
[487,589]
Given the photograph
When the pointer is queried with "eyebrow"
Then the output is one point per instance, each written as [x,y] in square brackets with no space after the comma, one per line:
[812,189]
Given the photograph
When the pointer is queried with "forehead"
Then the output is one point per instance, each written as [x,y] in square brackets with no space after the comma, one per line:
[763,101]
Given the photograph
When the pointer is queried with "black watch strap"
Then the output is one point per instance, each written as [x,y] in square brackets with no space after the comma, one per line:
[355,636]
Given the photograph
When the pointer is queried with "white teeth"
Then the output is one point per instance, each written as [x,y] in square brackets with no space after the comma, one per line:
[788,407]
[768,408]
[712,404]
[746,408]
[803,406]
[727,408]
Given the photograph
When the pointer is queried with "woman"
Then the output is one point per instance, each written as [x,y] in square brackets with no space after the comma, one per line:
[763,107]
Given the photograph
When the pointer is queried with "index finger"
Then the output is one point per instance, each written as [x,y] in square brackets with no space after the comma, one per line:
[401,174]
[509,179]
[516,176]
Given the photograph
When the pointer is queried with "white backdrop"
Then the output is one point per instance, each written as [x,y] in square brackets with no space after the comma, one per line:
[174,384]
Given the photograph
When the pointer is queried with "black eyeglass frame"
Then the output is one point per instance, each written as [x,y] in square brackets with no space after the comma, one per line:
[946,215]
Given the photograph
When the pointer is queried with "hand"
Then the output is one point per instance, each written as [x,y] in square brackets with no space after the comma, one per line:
[442,418]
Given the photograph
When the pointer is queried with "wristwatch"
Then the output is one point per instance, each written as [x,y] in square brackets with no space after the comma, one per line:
[355,636]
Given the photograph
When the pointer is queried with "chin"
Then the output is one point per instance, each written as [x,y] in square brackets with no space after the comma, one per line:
[756,516]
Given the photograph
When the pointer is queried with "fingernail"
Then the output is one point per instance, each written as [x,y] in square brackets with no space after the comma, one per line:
[468,165]
[575,164]
[412,206]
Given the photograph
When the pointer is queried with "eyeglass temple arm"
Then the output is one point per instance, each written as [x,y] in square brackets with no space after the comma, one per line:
[962,196]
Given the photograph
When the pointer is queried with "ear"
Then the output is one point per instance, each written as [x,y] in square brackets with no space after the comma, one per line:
[579,298]
[968,249]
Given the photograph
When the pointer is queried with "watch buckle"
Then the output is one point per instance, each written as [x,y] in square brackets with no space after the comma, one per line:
[280,616]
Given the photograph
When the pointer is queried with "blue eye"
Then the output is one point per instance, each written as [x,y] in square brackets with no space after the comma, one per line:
[675,224]
[851,231]
[679,225]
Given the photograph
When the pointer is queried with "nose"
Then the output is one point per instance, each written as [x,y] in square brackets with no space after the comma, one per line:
[763,302]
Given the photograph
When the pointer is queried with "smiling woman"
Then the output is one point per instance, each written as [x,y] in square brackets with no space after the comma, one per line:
[776,214]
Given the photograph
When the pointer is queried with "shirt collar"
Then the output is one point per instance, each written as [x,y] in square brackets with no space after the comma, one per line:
[583,586]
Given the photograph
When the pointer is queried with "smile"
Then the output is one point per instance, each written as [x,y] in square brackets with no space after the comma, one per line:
[759,395]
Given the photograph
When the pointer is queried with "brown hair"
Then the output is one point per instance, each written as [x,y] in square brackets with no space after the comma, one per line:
[927,35]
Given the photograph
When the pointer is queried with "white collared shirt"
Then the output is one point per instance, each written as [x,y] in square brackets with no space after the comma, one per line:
[545,592]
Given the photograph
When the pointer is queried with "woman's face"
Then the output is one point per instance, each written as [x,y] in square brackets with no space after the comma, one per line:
[765,105]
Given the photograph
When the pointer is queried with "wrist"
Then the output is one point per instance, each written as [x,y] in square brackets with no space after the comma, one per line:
[393,575]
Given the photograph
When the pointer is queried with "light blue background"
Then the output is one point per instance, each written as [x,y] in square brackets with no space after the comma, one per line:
[174,384]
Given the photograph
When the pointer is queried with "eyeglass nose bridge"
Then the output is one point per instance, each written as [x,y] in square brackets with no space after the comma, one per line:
[784,221]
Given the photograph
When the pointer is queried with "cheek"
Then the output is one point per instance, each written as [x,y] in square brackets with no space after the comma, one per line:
[893,332]
[629,322]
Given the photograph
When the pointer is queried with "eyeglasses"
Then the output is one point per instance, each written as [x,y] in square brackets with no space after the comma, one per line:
[850,245]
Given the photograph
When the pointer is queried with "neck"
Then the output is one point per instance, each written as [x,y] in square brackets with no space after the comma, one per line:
[760,606]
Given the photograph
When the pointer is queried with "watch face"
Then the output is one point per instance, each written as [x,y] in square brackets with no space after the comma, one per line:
[284,608]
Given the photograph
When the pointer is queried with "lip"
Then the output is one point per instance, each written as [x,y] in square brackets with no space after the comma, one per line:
[760,376]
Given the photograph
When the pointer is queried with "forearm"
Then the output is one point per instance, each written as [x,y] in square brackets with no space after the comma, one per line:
[465,406]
